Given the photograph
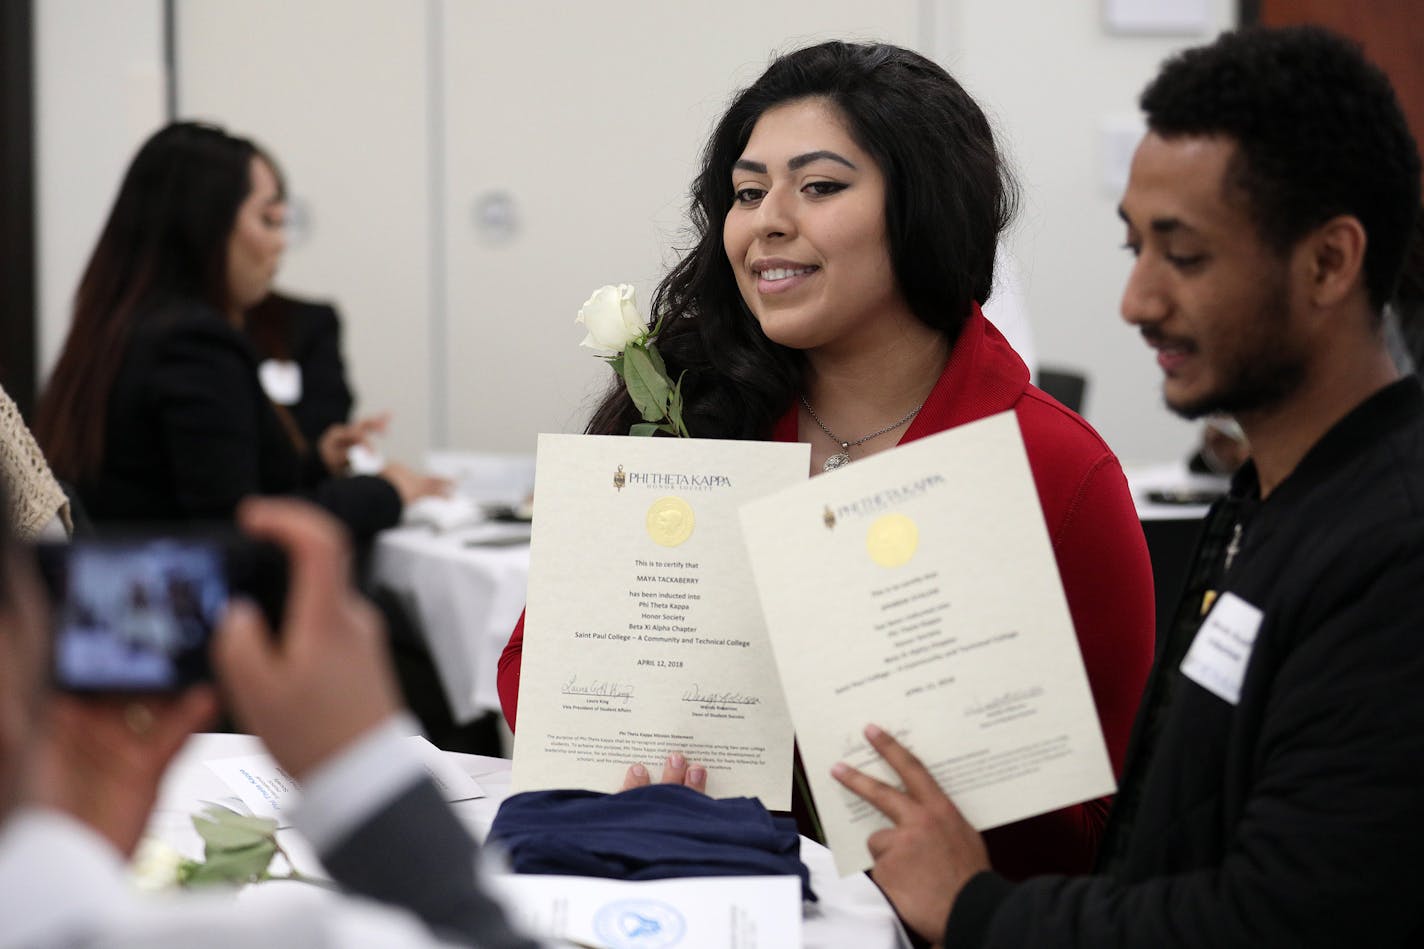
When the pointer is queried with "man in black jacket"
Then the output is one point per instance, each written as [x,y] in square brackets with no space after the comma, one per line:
[1274,788]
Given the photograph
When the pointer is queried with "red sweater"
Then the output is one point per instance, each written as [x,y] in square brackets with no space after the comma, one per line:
[1102,559]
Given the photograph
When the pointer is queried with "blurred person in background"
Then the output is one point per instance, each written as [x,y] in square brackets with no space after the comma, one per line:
[155,410]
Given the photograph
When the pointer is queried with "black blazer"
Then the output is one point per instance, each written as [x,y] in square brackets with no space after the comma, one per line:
[309,334]
[414,853]
[190,432]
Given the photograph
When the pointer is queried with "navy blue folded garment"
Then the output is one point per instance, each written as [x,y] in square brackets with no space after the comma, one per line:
[648,833]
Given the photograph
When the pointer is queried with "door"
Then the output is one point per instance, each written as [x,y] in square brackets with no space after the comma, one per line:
[1391,32]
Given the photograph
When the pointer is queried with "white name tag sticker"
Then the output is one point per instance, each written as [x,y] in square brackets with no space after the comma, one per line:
[1218,656]
[281,380]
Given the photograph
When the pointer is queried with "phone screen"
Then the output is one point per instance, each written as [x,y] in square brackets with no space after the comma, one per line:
[134,615]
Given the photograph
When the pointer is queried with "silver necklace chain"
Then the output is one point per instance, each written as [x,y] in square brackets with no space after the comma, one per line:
[842,457]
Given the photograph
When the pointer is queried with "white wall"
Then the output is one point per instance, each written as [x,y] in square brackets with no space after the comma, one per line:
[338,91]
[594,138]
[1048,72]
[99,93]
[1050,75]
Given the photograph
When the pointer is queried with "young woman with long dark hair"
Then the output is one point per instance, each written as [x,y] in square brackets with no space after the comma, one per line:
[155,411]
[846,217]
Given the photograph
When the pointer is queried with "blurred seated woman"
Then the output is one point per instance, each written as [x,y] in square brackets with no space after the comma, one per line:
[846,215]
[155,411]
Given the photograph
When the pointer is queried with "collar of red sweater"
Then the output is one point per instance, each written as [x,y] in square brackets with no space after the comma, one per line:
[984,376]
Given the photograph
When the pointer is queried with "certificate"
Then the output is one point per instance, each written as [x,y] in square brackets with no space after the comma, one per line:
[917,589]
[643,635]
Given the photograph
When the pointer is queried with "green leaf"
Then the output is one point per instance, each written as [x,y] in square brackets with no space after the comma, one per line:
[647,387]
[223,829]
[617,363]
[656,358]
[644,428]
[233,866]
[674,412]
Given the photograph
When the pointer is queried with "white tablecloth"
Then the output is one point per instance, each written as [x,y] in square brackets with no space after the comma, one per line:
[851,913]
[1172,479]
[465,587]
[466,593]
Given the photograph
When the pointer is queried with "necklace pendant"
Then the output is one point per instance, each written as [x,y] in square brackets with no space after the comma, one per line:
[839,460]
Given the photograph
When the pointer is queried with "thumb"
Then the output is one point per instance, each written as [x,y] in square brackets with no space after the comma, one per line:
[243,653]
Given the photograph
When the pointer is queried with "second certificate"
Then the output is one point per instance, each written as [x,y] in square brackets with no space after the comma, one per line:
[643,632]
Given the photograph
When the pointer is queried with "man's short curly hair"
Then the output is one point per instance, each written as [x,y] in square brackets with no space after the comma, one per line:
[1319,133]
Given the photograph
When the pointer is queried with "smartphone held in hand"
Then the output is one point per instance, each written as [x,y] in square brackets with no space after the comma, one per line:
[135,613]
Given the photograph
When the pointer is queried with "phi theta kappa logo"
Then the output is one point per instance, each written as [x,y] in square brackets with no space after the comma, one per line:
[640,924]
[619,478]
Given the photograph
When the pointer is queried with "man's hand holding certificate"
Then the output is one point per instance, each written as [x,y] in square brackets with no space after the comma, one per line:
[917,589]
[643,635]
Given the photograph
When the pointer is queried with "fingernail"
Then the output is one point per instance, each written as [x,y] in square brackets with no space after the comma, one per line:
[840,769]
[697,775]
[639,771]
[874,732]
[676,760]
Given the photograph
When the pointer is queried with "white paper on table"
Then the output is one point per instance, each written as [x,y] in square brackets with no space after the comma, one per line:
[701,912]
[268,790]
[642,634]
[443,513]
[917,590]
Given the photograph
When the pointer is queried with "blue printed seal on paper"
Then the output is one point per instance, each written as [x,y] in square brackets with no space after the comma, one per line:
[639,924]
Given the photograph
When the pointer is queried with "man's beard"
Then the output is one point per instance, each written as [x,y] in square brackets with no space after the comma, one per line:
[1265,367]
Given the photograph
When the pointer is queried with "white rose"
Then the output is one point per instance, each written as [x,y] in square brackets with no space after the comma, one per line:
[611,316]
[154,865]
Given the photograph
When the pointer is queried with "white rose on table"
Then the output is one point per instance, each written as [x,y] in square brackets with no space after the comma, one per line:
[611,316]
[155,865]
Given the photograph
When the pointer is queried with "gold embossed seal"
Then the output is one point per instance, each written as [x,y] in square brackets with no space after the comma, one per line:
[670,521]
[892,540]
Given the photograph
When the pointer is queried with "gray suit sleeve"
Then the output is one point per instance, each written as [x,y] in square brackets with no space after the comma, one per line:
[414,853]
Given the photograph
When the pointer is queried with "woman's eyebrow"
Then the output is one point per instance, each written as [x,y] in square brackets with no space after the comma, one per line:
[800,161]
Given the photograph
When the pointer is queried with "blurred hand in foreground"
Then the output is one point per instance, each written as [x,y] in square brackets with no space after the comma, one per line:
[324,679]
[100,760]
